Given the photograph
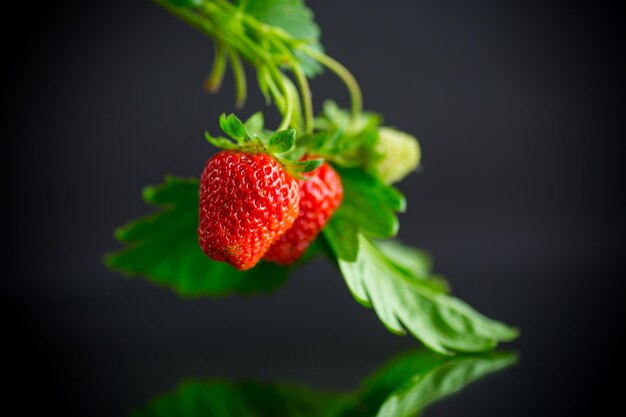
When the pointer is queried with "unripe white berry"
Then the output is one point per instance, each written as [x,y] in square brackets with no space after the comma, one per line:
[397,154]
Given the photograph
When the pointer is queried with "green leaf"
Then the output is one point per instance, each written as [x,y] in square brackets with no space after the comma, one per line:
[296,167]
[163,247]
[404,301]
[233,127]
[294,17]
[282,141]
[412,261]
[342,138]
[344,236]
[305,166]
[220,142]
[309,65]
[254,125]
[312,164]
[368,206]
[336,117]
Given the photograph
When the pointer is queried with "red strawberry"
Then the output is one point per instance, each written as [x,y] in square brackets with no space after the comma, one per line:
[320,195]
[247,202]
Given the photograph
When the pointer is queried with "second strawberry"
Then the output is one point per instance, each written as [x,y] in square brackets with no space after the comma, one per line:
[320,195]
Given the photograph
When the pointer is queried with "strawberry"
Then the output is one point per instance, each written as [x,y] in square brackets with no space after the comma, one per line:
[320,195]
[248,194]
[396,155]
[247,201]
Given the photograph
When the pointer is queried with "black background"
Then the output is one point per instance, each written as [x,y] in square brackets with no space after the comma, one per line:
[519,110]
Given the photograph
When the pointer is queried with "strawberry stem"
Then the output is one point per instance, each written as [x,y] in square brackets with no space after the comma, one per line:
[289,105]
[269,49]
[342,72]
[307,100]
[214,81]
[240,78]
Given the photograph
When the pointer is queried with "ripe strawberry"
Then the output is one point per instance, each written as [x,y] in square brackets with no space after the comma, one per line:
[320,195]
[247,201]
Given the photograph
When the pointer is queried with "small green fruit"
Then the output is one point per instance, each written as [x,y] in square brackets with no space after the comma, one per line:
[396,154]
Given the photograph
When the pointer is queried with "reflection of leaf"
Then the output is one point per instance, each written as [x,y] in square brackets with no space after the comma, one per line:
[402,387]
[249,399]
[443,380]
[164,248]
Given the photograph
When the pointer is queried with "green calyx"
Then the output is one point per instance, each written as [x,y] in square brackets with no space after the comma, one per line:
[250,137]
[360,140]
[342,137]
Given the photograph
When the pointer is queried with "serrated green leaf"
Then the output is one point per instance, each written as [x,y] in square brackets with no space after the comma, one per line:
[404,301]
[294,17]
[282,141]
[414,262]
[233,127]
[163,247]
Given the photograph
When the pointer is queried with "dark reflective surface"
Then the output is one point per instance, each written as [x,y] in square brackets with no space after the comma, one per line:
[518,107]
[401,387]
